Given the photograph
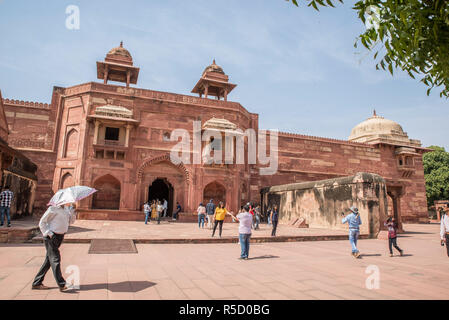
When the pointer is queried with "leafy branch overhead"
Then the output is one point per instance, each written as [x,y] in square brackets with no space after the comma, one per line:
[414,35]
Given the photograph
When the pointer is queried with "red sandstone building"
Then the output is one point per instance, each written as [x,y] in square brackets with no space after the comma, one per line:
[117,139]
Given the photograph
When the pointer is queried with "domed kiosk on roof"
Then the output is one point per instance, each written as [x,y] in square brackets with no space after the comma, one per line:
[377,129]
[118,66]
[214,82]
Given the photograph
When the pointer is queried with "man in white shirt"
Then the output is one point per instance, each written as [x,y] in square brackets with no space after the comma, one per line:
[53,225]
[165,206]
[245,220]
[444,229]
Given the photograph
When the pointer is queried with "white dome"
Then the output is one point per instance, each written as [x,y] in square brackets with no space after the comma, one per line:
[374,126]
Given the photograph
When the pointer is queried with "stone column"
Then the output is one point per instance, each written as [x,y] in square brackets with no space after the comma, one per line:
[97,126]
[206,90]
[128,77]
[32,197]
[106,74]
[225,95]
[128,127]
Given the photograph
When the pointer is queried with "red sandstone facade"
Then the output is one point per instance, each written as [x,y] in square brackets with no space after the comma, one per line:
[116,139]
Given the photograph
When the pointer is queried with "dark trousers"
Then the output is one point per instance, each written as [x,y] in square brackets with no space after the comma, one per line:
[392,243]
[275,225]
[3,211]
[218,222]
[52,259]
[447,243]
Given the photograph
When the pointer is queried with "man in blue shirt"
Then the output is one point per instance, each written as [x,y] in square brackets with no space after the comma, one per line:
[210,210]
[354,221]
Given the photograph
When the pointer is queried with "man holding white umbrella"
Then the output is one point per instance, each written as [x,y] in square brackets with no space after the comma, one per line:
[54,224]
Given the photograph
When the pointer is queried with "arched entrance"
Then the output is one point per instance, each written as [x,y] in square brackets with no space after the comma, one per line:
[161,189]
[216,191]
[108,195]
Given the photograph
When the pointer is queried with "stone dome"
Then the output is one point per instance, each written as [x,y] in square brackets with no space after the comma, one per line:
[120,51]
[377,127]
[214,68]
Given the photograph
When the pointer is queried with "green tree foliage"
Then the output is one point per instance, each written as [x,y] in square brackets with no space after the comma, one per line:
[410,35]
[436,172]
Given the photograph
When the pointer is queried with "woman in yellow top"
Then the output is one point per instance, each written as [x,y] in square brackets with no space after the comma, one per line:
[219,216]
[154,210]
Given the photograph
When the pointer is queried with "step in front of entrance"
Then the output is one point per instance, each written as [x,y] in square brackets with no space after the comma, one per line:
[220,240]
[123,215]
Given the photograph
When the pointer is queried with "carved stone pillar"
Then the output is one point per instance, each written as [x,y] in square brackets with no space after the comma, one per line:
[106,74]
[128,127]
[206,90]
[128,77]
[97,126]
[32,197]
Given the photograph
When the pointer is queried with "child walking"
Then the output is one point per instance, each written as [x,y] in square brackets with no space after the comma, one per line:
[392,235]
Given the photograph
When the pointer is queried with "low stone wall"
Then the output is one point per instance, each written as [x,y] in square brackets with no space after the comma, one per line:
[13,235]
[321,203]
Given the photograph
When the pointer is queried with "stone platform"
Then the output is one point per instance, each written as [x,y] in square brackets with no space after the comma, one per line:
[129,215]
[83,231]
[20,231]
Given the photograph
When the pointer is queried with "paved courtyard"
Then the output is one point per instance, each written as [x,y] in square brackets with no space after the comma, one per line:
[289,270]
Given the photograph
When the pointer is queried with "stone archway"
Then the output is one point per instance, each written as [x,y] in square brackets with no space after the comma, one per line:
[67,181]
[108,195]
[162,189]
[394,202]
[175,177]
[216,191]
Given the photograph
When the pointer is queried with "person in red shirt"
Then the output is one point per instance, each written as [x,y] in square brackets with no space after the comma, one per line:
[392,235]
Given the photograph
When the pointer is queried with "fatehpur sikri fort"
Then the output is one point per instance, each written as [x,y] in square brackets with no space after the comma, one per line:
[116,138]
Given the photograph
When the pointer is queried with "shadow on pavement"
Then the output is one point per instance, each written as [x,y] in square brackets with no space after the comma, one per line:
[263,257]
[73,229]
[370,255]
[124,286]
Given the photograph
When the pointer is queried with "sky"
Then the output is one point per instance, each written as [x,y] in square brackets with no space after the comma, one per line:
[295,67]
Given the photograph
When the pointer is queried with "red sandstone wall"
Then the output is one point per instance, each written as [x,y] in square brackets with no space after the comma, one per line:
[303,158]
[41,131]
[32,131]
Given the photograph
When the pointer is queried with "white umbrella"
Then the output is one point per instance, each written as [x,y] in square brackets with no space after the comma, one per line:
[70,195]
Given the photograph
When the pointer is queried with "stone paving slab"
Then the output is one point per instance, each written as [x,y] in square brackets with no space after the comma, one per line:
[285,270]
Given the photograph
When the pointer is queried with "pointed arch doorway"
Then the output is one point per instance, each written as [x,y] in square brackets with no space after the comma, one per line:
[162,189]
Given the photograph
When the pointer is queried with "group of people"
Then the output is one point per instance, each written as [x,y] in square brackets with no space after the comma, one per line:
[354,222]
[56,220]
[155,210]
[215,215]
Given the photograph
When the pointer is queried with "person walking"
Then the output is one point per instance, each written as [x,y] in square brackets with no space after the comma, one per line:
[178,210]
[245,220]
[257,217]
[354,221]
[54,224]
[219,216]
[159,208]
[392,235]
[444,229]
[274,220]
[147,211]
[164,207]
[269,211]
[6,197]
[210,210]
[201,215]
